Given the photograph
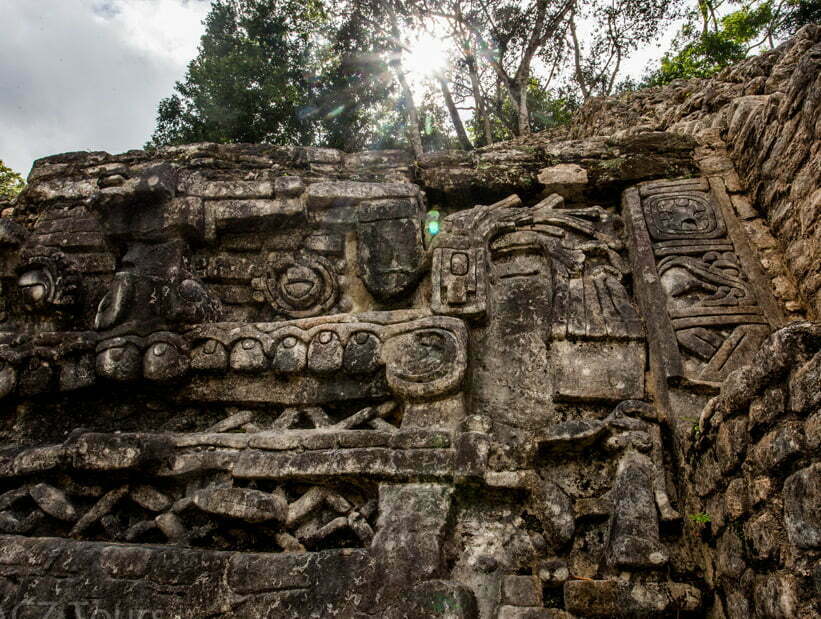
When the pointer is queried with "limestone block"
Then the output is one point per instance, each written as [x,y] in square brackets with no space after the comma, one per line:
[762,533]
[54,502]
[776,596]
[736,500]
[802,507]
[522,591]
[606,371]
[615,598]
[731,443]
[730,560]
[437,598]
[566,179]
[348,193]
[149,498]
[242,503]
[805,386]
[230,189]
[778,447]
[108,452]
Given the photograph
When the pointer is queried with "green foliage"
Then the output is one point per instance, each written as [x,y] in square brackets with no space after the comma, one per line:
[329,72]
[247,80]
[278,71]
[548,108]
[700,518]
[11,183]
[798,13]
[706,44]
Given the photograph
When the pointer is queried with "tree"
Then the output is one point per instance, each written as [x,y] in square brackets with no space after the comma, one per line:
[522,41]
[713,38]
[11,183]
[357,105]
[276,71]
[249,81]
[508,36]
[619,27]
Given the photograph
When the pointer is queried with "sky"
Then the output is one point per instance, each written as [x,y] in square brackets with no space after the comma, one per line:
[88,74]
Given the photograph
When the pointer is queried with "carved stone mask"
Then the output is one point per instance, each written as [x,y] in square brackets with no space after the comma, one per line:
[681,217]
[390,252]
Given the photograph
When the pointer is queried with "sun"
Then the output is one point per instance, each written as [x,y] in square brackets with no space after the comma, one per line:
[427,55]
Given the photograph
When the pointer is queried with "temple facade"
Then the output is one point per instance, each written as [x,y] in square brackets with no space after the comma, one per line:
[571,375]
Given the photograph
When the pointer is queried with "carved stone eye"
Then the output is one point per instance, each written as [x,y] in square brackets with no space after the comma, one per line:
[37,287]
[121,363]
[459,263]
[361,353]
[301,287]
[325,352]
[164,362]
[248,356]
[211,355]
[289,355]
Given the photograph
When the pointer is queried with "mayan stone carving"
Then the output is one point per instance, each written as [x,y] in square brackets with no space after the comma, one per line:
[691,267]
[540,380]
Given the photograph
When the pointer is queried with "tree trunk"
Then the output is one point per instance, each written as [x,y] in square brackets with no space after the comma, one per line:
[518,96]
[577,59]
[454,115]
[481,110]
[413,114]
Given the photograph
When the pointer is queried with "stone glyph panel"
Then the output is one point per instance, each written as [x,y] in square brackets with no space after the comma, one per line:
[705,311]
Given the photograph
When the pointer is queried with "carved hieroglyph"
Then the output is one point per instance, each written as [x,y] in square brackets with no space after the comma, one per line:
[705,312]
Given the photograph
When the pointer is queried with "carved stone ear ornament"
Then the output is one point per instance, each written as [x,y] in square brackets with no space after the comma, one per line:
[48,279]
[302,286]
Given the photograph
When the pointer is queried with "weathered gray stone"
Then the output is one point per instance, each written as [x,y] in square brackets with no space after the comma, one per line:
[612,598]
[805,386]
[776,596]
[522,591]
[736,498]
[150,498]
[271,384]
[778,447]
[241,503]
[802,507]
[730,563]
[566,179]
[763,533]
[53,501]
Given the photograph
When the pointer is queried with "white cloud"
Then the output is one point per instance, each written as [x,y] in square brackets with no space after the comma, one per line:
[88,74]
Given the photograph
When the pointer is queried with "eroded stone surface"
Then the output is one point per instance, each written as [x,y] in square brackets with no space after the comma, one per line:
[249,380]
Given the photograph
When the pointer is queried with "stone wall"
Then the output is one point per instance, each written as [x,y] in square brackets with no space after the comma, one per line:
[755,482]
[547,379]
[766,112]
